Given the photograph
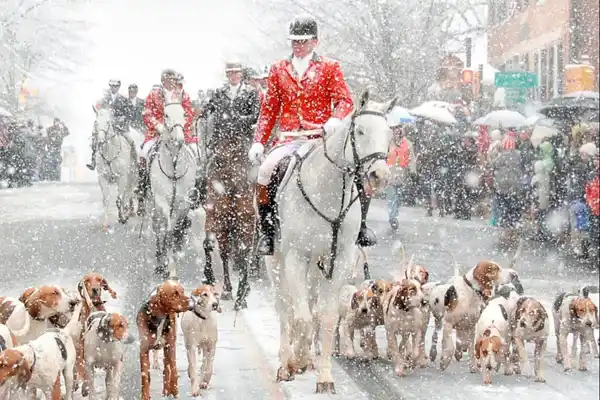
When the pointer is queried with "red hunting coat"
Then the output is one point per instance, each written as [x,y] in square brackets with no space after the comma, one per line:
[306,103]
[154,109]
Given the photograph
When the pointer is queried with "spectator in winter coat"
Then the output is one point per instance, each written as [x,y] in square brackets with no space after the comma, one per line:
[581,173]
[507,170]
[402,162]
[592,196]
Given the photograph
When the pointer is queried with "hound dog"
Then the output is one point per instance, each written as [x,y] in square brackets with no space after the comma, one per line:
[103,345]
[576,315]
[89,291]
[200,334]
[39,364]
[404,318]
[157,325]
[7,341]
[458,304]
[529,323]
[592,292]
[380,288]
[492,333]
[358,309]
[36,310]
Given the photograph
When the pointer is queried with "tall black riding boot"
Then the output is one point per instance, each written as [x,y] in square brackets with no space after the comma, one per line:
[266,241]
[366,237]
[92,165]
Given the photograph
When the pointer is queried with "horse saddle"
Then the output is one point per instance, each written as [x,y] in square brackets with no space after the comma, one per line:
[286,166]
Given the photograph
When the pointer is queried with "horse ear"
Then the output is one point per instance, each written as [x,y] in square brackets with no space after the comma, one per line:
[364,99]
[392,105]
[95,111]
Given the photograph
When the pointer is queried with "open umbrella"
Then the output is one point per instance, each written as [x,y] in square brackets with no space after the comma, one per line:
[540,133]
[399,115]
[479,121]
[435,111]
[504,119]
[571,106]
[5,113]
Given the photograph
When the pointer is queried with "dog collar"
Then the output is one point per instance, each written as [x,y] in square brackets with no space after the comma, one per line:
[197,314]
[470,285]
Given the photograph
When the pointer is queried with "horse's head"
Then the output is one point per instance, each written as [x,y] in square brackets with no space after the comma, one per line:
[103,123]
[174,122]
[370,139]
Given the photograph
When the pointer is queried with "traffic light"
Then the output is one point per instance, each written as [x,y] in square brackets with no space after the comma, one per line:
[467,76]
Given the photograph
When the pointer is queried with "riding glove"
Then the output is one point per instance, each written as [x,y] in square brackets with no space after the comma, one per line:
[331,125]
[255,152]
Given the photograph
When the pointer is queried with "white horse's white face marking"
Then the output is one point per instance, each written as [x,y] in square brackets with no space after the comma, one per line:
[174,121]
[372,135]
[103,120]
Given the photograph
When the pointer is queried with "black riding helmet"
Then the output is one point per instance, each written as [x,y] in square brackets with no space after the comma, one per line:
[303,27]
[133,86]
[168,74]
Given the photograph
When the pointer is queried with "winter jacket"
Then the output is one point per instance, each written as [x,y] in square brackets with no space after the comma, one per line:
[592,195]
[508,172]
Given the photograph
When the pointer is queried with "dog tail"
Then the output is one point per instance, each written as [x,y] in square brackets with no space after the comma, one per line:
[71,327]
[25,329]
[517,255]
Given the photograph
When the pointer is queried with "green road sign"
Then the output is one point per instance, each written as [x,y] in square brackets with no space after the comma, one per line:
[516,96]
[521,80]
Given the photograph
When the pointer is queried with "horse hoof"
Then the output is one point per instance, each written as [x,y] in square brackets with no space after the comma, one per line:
[284,375]
[226,296]
[325,387]
[123,220]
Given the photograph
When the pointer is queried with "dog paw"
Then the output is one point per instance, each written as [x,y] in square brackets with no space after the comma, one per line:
[204,385]
[583,368]
[540,379]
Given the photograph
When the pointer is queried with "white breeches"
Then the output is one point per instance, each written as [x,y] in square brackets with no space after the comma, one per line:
[192,147]
[274,156]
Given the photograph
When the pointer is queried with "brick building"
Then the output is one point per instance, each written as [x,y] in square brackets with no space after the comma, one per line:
[536,36]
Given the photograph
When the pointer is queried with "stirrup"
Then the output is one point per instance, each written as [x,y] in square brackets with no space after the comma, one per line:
[366,238]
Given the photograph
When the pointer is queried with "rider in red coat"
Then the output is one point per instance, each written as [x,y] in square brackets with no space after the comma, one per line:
[170,90]
[154,108]
[308,94]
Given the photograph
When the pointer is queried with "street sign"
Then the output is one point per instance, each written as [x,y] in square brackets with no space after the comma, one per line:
[516,96]
[518,80]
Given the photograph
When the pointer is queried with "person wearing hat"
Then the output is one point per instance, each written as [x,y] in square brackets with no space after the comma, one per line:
[169,91]
[121,112]
[259,82]
[308,95]
[136,107]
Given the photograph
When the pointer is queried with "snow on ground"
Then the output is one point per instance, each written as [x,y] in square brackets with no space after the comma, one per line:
[51,201]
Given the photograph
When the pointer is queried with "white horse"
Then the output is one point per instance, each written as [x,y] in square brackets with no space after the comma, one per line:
[116,163]
[172,170]
[319,221]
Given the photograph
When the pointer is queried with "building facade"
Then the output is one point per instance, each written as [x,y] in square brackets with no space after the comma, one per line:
[536,36]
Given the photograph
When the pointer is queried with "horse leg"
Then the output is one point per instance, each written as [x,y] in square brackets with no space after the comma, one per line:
[162,261]
[245,219]
[105,188]
[224,250]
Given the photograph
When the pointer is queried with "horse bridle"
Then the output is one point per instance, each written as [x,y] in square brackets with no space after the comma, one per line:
[106,139]
[175,177]
[354,170]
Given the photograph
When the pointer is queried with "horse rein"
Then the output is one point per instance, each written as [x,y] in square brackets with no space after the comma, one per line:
[106,139]
[353,171]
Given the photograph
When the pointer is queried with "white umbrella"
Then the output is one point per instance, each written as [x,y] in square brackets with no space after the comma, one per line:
[504,119]
[532,120]
[5,113]
[479,121]
[540,133]
[434,112]
[399,115]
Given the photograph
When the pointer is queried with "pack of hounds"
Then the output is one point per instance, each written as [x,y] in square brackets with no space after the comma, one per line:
[53,339]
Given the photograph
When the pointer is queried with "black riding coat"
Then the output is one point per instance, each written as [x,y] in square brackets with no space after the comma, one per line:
[234,116]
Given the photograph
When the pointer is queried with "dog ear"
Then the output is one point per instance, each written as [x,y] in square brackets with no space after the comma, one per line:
[105,286]
[573,309]
[26,294]
[539,318]
[354,302]
[401,298]
[478,349]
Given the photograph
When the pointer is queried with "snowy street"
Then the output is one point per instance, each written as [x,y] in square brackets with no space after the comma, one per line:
[50,233]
